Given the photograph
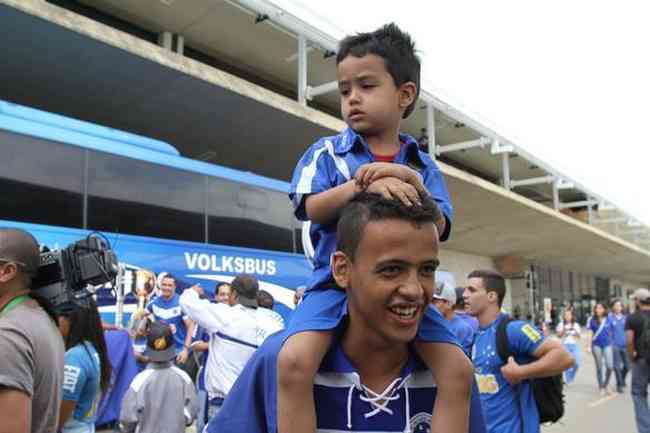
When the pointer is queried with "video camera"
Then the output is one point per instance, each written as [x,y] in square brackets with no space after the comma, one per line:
[64,275]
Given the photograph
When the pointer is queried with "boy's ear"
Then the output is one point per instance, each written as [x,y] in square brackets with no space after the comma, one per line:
[407,92]
[341,269]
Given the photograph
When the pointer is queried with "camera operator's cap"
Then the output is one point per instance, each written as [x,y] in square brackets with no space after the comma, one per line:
[445,291]
[642,295]
[246,286]
[160,343]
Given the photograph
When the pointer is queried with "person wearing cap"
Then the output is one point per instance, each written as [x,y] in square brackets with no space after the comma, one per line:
[444,299]
[236,329]
[461,310]
[635,325]
[31,347]
[161,399]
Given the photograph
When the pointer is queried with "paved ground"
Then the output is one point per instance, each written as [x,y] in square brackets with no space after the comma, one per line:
[588,412]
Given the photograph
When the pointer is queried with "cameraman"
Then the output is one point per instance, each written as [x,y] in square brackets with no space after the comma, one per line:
[31,348]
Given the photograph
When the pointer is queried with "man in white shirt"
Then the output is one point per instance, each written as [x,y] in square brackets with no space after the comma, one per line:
[236,331]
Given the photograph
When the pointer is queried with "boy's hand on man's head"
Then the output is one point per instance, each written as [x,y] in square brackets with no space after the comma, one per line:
[393,188]
[369,173]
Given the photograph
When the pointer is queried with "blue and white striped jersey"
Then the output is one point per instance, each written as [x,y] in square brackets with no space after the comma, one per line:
[343,403]
[332,161]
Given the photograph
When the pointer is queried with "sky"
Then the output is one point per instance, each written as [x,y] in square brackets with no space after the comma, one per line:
[568,81]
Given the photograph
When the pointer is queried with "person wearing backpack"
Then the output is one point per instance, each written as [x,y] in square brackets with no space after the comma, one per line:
[506,383]
[637,333]
[600,345]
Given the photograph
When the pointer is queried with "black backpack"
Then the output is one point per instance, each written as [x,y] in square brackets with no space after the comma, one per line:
[548,391]
[644,339]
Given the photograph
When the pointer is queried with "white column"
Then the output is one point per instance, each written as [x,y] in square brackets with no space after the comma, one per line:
[302,70]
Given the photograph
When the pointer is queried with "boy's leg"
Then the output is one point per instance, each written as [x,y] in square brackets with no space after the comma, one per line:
[298,363]
[453,372]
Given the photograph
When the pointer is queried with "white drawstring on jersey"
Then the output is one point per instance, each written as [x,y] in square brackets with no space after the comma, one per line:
[381,401]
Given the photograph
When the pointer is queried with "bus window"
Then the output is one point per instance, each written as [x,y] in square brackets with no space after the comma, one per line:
[136,197]
[247,216]
[42,181]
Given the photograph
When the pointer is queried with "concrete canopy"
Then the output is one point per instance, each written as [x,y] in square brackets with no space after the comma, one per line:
[492,221]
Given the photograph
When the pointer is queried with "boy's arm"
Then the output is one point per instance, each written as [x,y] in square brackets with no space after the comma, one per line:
[325,206]
[129,412]
[191,403]
[368,173]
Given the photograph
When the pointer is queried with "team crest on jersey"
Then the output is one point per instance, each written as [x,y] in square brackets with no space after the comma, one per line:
[531,333]
[421,422]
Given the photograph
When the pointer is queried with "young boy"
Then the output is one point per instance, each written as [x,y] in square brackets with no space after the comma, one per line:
[161,399]
[379,76]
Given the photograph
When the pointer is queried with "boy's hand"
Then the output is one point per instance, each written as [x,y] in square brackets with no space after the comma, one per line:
[369,173]
[393,188]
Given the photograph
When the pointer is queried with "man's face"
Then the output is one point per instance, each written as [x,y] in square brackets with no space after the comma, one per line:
[223,294]
[167,287]
[476,297]
[617,308]
[369,98]
[391,280]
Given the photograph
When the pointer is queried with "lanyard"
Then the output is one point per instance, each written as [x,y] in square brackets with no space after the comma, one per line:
[14,303]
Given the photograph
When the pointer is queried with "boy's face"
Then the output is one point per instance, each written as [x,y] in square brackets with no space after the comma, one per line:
[370,101]
[390,282]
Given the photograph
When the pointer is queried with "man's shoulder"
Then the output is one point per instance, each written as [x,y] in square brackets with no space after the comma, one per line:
[30,321]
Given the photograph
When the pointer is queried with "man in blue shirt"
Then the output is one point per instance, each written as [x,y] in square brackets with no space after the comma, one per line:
[444,299]
[621,362]
[503,384]
[371,379]
[166,308]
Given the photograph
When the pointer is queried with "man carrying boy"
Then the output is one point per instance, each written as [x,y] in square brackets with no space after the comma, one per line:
[379,76]
[371,378]
[161,399]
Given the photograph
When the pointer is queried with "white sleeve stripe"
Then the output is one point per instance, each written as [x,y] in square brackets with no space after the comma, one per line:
[309,171]
[140,379]
[307,174]
[182,374]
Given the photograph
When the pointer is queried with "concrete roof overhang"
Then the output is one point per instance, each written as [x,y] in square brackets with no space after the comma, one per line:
[62,62]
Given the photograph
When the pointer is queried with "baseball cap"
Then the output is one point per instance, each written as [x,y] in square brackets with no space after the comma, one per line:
[446,292]
[160,343]
[642,295]
[246,286]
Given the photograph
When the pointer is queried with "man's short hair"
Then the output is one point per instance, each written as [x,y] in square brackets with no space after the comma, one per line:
[367,207]
[493,282]
[265,299]
[168,276]
[21,247]
[393,45]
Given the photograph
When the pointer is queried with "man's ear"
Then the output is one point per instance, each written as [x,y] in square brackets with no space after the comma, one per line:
[407,92]
[8,273]
[341,269]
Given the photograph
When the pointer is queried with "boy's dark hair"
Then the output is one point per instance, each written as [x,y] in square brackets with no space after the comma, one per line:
[394,46]
[493,282]
[367,207]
